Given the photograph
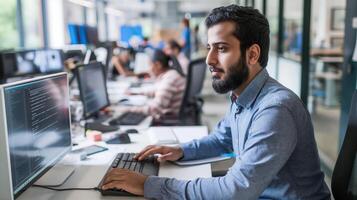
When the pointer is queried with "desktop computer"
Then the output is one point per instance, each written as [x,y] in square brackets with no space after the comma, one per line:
[94,96]
[35,130]
[92,87]
[25,63]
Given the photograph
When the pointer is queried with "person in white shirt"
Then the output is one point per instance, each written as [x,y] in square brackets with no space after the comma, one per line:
[169,88]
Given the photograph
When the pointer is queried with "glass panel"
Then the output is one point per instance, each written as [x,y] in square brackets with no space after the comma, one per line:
[258,4]
[293,15]
[73,13]
[8,32]
[272,14]
[249,3]
[32,19]
[327,34]
[91,17]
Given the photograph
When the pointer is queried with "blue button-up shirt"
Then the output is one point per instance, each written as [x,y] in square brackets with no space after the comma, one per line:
[270,131]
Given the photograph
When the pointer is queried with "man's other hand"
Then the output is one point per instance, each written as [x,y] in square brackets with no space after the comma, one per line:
[167,153]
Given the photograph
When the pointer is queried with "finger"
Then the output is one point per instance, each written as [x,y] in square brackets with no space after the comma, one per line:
[114,178]
[116,174]
[150,152]
[112,185]
[143,151]
[168,156]
[112,172]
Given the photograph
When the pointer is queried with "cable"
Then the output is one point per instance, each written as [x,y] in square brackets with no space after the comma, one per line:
[66,189]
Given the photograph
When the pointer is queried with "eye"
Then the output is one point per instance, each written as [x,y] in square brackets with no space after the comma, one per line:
[208,47]
[221,48]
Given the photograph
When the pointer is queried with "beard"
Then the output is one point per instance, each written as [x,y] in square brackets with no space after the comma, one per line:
[236,75]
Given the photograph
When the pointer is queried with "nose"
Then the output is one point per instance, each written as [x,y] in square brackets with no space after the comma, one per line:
[211,59]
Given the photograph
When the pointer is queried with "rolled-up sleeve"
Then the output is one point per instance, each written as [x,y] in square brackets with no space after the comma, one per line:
[271,140]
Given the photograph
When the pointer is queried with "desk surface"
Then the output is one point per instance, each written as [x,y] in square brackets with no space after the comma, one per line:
[88,173]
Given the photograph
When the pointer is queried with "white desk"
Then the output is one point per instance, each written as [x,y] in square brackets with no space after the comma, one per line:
[89,172]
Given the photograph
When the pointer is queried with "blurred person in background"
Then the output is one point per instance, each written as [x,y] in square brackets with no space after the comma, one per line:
[175,50]
[186,37]
[167,93]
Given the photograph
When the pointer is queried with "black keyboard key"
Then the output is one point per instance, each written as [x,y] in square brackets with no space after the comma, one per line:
[120,155]
[131,157]
[115,163]
[132,166]
[121,165]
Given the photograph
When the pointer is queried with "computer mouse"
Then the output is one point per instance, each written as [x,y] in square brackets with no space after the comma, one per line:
[123,100]
[132,131]
[124,138]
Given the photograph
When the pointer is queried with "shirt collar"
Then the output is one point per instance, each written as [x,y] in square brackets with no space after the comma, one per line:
[250,93]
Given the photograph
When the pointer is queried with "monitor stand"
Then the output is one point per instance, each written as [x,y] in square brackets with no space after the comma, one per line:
[56,176]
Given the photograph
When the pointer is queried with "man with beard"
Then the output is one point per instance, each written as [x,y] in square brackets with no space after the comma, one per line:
[267,126]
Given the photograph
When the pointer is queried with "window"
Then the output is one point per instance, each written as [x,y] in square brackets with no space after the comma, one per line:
[8,32]
[32,21]
[292,43]
[272,13]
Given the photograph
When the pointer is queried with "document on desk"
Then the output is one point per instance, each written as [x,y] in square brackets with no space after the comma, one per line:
[162,135]
[222,157]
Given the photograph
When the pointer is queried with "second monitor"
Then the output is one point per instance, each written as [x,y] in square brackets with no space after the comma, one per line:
[94,96]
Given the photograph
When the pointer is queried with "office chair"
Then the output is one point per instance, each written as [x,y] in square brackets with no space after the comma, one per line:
[345,174]
[177,66]
[191,106]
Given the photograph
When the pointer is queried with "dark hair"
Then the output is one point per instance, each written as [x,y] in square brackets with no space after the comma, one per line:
[174,45]
[166,61]
[251,27]
[186,22]
[159,56]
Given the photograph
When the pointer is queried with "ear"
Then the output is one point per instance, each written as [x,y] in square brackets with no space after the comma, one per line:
[253,54]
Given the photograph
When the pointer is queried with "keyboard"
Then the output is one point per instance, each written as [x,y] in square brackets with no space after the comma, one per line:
[128,118]
[100,127]
[149,167]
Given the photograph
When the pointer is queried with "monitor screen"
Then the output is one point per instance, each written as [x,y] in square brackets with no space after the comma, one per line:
[25,63]
[92,86]
[38,127]
[49,61]
[31,62]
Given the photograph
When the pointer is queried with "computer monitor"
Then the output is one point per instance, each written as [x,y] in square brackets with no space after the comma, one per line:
[25,63]
[142,62]
[35,130]
[31,62]
[93,89]
[49,61]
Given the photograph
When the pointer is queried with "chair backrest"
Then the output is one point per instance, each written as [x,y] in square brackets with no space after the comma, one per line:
[195,78]
[344,177]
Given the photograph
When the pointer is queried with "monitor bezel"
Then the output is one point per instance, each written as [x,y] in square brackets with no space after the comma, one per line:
[86,114]
[5,131]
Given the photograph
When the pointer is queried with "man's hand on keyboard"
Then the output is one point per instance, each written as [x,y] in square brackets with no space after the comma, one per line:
[127,180]
[167,153]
